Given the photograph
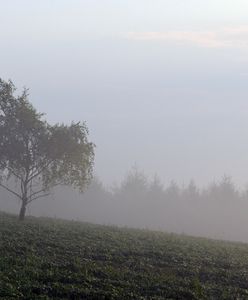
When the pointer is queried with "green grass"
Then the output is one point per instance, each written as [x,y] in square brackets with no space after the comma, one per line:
[54,259]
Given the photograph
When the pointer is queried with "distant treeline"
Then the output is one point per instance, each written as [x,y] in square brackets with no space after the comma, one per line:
[220,210]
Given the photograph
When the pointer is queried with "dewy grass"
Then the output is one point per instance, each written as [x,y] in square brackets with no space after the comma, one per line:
[56,259]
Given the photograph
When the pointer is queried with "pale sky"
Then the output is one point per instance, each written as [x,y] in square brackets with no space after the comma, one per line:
[161,84]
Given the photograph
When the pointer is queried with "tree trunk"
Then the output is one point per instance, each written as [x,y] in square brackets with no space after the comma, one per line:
[24,200]
[22,211]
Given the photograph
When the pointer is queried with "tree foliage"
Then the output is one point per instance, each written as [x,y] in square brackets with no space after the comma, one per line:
[39,155]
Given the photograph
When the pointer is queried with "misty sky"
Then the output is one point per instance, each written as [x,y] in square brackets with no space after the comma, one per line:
[160,83]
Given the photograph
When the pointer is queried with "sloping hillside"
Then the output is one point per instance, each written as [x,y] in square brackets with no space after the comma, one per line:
[55,259]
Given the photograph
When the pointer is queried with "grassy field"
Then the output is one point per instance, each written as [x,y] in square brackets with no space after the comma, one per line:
[53,259]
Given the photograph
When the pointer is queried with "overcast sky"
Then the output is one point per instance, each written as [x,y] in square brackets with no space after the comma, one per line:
[160,83]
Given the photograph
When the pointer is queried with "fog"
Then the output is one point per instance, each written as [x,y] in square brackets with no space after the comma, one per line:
[160,84]
[217,211]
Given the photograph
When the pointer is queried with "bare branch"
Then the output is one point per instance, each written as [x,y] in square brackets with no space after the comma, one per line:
[37,192]
[11,191]
[38,197]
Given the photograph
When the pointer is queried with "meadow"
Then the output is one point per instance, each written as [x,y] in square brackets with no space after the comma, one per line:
[42,258]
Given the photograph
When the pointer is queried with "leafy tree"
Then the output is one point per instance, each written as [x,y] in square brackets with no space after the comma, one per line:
[36,154]
[135,184]
[156,192]
[191,192]
[173,192]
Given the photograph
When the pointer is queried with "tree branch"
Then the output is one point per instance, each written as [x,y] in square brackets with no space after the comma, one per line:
[32,176]
[36,193]
[40,196]
[9,190]
[16,175]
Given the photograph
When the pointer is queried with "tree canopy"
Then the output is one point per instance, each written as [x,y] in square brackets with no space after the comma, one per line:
[39,155]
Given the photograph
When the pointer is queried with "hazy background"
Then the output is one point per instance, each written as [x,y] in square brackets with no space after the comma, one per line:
[161,84]
[218,211]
